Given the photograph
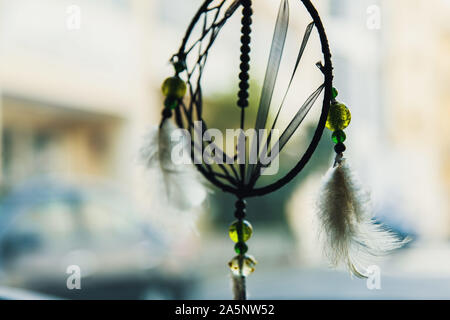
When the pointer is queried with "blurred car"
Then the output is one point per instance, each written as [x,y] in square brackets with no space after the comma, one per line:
[46,227]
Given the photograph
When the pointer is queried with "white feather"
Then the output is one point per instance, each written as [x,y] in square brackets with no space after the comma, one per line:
[350,235]
[180,185]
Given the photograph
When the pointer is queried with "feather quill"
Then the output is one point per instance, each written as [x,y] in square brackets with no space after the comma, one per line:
[350,236]
[238,287]
[180,185]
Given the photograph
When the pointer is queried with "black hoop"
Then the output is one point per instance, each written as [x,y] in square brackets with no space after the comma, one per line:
[228,180]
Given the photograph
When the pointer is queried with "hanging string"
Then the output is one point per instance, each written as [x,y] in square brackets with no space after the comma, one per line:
[244,67]
[237,228]
[239,286]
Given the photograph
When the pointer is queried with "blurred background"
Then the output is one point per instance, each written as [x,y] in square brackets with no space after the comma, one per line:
[80,86]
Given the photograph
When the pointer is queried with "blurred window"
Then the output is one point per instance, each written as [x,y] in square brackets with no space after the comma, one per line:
[42,227]
[175,18]
[341,65]
[107,221]
[123,4]
[53,220]
[339,8]
[41,140]
[7,147]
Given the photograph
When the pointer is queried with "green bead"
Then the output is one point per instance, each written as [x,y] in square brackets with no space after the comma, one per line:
[334,92]
[174,87]
[247,262]
[339,117]
[246,231]
[240,248]
[171,102]
[338,136]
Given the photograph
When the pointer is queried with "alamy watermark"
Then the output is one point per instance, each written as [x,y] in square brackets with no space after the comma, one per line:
[74,279]
[73,20]
[373,278]
[373,21]
[238,147]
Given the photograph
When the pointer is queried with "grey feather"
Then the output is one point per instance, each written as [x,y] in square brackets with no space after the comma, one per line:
[350,235]
[180,185]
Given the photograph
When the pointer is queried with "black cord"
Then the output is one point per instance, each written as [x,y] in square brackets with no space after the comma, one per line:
[244,68]
[240,290]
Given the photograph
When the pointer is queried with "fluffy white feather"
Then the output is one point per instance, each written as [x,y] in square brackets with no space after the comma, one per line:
[350,235]
[180,185]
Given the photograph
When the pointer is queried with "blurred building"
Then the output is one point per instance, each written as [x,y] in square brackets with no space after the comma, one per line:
[80,81]
[79,87]
[80,84]
[416,73]
[391,68]
[76,88]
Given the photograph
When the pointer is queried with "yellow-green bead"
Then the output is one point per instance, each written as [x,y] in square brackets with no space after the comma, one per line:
[174,87]
[339,117]
[248,265]
[247,231]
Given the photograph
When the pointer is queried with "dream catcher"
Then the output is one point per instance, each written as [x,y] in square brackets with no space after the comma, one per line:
[350,235]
